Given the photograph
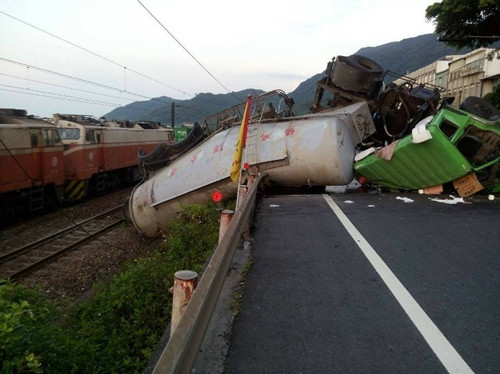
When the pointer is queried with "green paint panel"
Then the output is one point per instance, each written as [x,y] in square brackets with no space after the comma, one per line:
[415,166]
[437,160]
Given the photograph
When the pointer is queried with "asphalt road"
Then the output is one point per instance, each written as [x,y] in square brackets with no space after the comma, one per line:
[385,285]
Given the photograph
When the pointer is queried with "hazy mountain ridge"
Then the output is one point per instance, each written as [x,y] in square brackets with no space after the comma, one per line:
[160,109]
[401,57]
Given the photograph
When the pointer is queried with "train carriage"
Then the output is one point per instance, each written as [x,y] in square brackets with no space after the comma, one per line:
[31,162]
[46,162]
[102,155]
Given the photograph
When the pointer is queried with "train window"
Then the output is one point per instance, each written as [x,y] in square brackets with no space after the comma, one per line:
[69,133]
[34,140]
[51,137]
[56,137]
[89,136]
[47,137]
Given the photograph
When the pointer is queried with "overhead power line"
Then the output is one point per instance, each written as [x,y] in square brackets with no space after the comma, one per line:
[71,77]
[52,96]
[96,54]
[189,53]
[67,87]
[81,80]
[61,95]
[57,96]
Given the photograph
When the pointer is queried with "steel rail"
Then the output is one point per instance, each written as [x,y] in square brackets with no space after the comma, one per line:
[180,353]
[30,246]
[51,257]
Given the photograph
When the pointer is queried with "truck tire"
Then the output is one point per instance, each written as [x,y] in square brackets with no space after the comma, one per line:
[481,108]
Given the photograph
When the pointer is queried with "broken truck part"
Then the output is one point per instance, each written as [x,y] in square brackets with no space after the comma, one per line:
[396,107]
[419,141]
[441,149]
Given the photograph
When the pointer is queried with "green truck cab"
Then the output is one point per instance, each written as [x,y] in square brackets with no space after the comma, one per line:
[452,145]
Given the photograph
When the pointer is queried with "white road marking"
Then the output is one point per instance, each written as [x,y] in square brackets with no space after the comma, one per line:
[443,349]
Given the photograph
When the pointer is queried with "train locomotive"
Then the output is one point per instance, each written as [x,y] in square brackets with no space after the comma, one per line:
[99,156]
[31,163]
[67,157]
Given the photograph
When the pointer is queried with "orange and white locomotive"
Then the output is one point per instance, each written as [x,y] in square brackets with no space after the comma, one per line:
[31,162]
[99,155]
[67,157]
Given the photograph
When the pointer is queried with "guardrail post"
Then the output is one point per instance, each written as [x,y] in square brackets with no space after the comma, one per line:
[185,282]
[225,219]
[243,189]
[253,172]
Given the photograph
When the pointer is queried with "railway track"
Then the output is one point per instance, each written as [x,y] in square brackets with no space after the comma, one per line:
[24,260]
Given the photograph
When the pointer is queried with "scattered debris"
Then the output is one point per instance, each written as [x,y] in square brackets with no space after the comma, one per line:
[433,190]
[454,200]
[405,199]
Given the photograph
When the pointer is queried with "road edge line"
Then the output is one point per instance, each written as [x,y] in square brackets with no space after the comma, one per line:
[443,349]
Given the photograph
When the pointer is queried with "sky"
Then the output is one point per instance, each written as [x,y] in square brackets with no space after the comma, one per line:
[92,56]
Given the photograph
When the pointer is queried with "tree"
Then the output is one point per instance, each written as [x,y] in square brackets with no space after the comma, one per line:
[466,23]
[494,97]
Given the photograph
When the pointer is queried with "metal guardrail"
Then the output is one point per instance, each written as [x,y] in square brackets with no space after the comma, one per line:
[180,353]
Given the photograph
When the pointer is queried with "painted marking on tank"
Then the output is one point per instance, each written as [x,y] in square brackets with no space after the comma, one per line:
[172,172]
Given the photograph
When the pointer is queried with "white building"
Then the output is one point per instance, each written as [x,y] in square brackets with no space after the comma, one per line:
[462,76]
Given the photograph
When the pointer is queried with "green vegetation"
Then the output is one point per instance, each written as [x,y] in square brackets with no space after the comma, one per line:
[494,97]
[25,320]
[118,329]
[466,23]
[237,301]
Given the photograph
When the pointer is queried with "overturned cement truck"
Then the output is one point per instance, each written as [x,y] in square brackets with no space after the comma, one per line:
[354,113]
[311,150]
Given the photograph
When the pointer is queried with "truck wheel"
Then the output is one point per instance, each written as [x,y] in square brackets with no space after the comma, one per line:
[481,108]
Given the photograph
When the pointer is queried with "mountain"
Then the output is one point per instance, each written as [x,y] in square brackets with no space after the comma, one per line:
[400,57]
[159,109]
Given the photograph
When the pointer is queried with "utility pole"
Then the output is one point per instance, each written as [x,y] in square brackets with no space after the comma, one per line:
[172,117]
[172,112]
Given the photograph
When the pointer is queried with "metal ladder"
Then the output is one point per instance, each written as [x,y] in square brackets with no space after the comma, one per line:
[36,198]
[250,155]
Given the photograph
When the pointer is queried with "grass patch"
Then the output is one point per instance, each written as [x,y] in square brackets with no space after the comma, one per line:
[118,329]
[236,303]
